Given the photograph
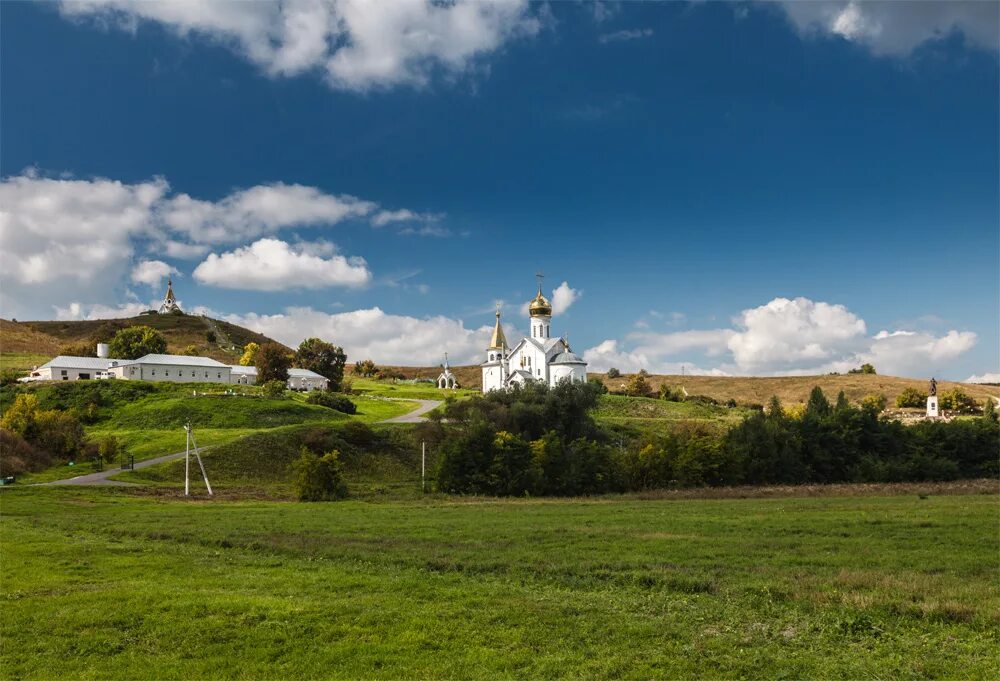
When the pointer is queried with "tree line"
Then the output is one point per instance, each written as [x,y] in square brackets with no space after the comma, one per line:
[541,441]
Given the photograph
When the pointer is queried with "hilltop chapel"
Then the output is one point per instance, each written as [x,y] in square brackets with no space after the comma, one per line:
[536,358]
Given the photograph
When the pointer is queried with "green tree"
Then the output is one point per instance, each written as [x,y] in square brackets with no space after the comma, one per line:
[319,478]
[818,405]
[842,403]
[210,336]
[326,359]
[274,388]
[272,362]
[21,417]
[134,342]
[874,403]
[910,398]
[109,448]
[614,373]
[863,369]
[638,386]
[249,354]
[990,410]
[365,368]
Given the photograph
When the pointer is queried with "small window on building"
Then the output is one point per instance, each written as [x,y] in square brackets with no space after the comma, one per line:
[192,374]
[64,372]
[153,372]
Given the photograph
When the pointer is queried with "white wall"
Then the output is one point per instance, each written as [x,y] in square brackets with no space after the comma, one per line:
[175,373]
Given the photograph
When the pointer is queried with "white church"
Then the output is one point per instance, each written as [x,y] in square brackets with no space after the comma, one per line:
[536,358]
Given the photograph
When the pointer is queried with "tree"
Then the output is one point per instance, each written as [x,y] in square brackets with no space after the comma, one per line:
[319,478]
[134,342]
[365,368]
[863,369]
[818,405]
[910,397]
[272,361]
[638,386]
[249,354]
[274,388]
[109,448]
[21,416]
[614,373]
[210,336]
[326,359]
[990,410]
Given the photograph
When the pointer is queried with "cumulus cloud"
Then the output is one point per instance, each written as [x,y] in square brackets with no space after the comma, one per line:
[787,337]
[59,234]
[152,272]
[358,45]
[563,296]
[272,265]
[608,354]
[897,28]
[989,377]
[77,311]
[256,211]
[625,35]
[372,333]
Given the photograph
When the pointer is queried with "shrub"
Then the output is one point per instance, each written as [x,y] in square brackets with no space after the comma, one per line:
[325,398]
[109,448]
[210,336]
[863,369]
[638,386]
[9,376]
[59,433]
[135,341]
[18,456]
[272,361]
[598,385]
[614,373]
[190,351]
[20,417]
[910,398]
[319,478]
[957,400]
[874,403]
[274,388]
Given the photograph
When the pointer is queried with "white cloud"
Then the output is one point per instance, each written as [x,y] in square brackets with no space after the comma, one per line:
[897,28]
[256,211]
[608,354]
[76,311]
[81,235]
[788,337]
[371,333]
[785,335]
[272,265]
[988,377]
[152,272]
[563,296]
[625,35]
[357,44]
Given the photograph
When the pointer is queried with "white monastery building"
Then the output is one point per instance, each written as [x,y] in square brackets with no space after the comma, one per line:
[537,357]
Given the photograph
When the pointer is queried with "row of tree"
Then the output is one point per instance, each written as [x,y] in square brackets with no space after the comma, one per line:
[536,440]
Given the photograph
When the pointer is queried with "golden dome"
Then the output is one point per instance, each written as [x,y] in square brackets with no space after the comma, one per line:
[540,306]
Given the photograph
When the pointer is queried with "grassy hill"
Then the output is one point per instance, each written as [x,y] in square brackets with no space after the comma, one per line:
[749,389]
[45,338]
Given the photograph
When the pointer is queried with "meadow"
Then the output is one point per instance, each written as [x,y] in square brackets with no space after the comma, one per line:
[114,583]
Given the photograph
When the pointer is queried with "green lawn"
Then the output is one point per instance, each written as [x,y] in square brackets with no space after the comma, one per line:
[109,584]
[22,361]
[416,391]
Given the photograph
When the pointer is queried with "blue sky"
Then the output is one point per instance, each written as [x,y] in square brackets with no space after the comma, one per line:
[732,187]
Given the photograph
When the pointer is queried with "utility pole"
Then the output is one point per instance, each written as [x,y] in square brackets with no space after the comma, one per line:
[188,442]
[423,466]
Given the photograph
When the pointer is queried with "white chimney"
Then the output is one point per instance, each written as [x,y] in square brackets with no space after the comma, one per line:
[102,350]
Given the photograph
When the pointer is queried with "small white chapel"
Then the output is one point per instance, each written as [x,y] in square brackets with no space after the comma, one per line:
[536,358]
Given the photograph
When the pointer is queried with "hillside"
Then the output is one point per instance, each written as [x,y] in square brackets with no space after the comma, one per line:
[45,338]
[749,389]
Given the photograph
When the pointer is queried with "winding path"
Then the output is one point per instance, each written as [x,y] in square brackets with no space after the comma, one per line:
[103,477]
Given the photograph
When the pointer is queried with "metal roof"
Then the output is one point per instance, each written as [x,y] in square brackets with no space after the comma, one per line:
[70,362]
[567,358]
[240,370]
[181,360]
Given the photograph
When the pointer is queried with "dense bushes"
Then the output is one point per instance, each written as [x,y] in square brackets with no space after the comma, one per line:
[319,478]
[331,400]
[36,435]
[540,441]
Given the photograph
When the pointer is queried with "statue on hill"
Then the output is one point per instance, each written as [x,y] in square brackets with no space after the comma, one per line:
[932,388]
[169,304]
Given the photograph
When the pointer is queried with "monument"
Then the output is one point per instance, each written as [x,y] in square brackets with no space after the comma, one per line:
[932,401]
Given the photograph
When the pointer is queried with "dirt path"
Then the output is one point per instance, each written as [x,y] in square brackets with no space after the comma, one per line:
[417,415]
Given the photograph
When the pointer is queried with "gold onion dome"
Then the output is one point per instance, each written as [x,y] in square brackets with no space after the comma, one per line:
[540,307]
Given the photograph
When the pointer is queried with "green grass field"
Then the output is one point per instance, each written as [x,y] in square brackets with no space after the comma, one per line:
[110,584]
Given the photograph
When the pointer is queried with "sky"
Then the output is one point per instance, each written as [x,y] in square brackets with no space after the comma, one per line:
[727,188]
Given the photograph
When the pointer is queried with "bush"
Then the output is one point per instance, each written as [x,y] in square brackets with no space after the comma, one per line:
[18,456]
[274,388]
[136,341]
[59,433]
[911,398]
[614,373]
[210,336]
[84,349]
[956,400]
[365,368]
[325,398]
[319,478]
[874,403]
[863,369]
[109,448]
[638,386]
[190,351]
